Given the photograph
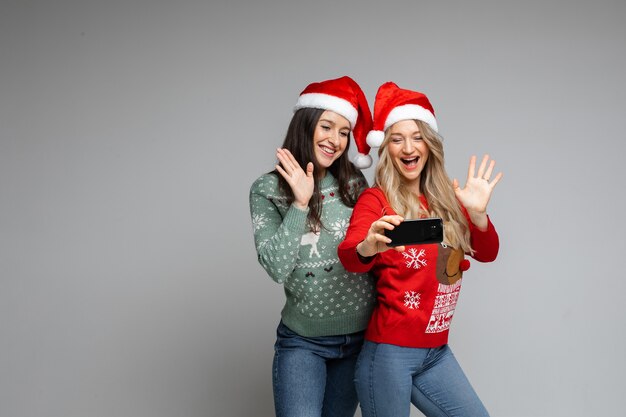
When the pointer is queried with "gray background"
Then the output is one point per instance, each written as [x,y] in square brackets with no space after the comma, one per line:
[130,132]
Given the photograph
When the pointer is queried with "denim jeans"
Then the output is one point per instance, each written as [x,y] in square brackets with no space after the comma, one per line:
[314,376]
[389,378]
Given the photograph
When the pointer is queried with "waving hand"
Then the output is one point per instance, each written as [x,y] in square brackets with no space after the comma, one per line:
[477,191]
[301,182]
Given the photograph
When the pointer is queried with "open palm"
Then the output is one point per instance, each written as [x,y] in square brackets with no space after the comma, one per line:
[302,183]
[477,191]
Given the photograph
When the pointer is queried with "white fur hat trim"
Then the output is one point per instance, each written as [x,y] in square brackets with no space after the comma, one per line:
[410,112]
[328,102]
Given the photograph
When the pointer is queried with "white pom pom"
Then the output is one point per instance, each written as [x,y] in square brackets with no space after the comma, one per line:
[362,161]
[375,138]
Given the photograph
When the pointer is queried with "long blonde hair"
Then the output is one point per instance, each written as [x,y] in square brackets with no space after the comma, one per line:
[434,184]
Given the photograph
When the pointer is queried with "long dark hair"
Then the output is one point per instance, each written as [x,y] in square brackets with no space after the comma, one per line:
[299,141]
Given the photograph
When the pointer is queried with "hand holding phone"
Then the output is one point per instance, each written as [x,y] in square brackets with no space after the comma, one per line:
[415,232]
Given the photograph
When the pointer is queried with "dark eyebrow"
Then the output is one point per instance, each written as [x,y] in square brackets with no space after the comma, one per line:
[333,123]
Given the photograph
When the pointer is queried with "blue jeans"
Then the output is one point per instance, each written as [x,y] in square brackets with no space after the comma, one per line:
[389,378]
[314,376]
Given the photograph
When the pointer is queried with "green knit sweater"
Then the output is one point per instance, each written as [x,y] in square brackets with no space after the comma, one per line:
[323,299]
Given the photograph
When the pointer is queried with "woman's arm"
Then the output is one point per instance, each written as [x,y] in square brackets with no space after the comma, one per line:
[277,239]
[474,198]
[365,236]
[485,243]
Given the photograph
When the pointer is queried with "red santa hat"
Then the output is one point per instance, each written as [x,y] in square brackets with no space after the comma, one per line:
[345,97]
[394,104]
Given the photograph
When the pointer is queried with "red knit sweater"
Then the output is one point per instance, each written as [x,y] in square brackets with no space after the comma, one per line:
[417,289]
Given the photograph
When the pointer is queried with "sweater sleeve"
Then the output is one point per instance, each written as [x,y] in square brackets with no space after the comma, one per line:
[485,243]
[276,238]
[366,211]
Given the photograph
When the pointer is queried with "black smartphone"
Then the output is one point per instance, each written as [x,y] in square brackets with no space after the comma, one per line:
[415,232]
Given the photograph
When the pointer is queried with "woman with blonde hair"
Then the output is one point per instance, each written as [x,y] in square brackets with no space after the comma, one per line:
[406,358]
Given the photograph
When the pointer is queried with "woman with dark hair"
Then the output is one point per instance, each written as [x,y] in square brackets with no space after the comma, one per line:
[405,358]
[300,212]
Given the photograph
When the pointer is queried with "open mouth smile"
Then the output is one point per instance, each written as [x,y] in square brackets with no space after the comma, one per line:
[410,163]
[330,152]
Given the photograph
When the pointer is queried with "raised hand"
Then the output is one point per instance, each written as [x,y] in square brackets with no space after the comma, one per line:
[376,241]
[477,191]
[302,183]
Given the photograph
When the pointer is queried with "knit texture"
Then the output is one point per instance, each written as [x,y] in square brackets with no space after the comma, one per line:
[417,289]
[322,298]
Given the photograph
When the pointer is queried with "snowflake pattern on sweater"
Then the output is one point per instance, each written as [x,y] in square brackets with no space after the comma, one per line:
[415,259]
[418,289]
[322,298]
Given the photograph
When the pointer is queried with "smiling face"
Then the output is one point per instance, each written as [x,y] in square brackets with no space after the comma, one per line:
[408,151]
[330,139]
